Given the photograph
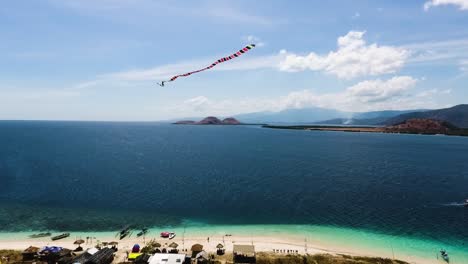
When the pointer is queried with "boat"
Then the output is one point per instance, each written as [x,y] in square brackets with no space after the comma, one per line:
[169,235]
[143,231]
[444,255]
[40,235]
[64,235]
[124,234]
[465,203]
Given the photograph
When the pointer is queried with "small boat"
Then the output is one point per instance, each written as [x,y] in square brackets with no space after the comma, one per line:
[169,235]
[124,234]
[64,235]
[465,203]
[444,255]
[40,235]
[143,231]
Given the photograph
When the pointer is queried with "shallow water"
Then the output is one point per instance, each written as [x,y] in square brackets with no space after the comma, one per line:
[101,176]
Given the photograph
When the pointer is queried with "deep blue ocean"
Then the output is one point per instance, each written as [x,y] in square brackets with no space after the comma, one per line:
[101,176]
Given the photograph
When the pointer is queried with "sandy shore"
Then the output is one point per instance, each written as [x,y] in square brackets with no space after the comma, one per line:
[265,243]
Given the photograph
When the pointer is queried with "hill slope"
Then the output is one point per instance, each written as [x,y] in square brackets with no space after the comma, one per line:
[457,115]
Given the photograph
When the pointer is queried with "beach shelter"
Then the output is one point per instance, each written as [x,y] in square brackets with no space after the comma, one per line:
[30,253]
[79,242]
[220,249]
[197,248]
[173,245]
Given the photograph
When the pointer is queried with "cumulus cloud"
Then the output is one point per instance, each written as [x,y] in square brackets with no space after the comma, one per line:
[462,4]
[353,58]
[378,90]
[393,93]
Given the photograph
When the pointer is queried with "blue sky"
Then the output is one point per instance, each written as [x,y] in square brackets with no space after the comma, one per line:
[101,59]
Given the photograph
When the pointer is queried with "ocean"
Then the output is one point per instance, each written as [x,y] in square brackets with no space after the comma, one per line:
[100,176]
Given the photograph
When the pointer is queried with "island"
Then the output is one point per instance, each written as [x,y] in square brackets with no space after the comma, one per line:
[410,126]
[210,120]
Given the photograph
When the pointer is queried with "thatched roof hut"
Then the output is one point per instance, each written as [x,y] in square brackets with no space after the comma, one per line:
[197,248]
[30,253]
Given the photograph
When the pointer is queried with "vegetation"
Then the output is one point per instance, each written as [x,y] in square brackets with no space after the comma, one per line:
[150,247]
[263,258]
[13,255]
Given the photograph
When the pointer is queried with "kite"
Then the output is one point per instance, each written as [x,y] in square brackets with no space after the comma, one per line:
[235,55]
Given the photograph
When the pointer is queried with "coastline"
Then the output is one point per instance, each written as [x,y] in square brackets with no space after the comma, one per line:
[365,129]
[266,238]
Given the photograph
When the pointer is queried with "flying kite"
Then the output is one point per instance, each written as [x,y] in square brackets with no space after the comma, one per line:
[235,55]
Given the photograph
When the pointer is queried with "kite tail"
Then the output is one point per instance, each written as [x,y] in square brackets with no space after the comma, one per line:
[230,57]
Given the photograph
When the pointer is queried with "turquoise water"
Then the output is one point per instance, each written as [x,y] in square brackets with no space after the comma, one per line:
[78,176]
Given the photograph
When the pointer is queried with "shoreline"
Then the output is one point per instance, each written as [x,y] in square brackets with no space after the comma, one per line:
[303,239]
[364,129]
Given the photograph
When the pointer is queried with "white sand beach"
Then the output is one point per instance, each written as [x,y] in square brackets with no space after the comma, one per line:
[286,244]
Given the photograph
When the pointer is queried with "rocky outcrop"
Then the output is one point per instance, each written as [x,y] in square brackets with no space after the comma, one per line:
[231,121]
[210,120]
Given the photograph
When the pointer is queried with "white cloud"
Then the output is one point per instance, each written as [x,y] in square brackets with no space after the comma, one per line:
[378,90]
[394,93]
[464,66]
[462,4]
[437,51]
[356,15]
[250,39]
[354,58]
[145,9]
[246,62]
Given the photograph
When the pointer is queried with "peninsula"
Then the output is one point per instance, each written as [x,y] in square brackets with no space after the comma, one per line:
[410,126]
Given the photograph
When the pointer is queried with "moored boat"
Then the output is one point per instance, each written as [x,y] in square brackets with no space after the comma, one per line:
[143,231]
[64,235]
[40,235]
[169,235]
[444,255]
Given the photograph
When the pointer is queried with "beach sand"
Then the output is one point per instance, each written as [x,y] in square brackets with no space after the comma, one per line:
[265,241]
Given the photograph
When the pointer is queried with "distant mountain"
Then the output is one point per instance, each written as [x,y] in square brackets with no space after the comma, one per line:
[457,115]
[384,113]
[210,120]
[305,115]
[352,121]
[321,116]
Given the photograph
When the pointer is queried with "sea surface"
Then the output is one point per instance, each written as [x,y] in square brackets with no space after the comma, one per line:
[100,176]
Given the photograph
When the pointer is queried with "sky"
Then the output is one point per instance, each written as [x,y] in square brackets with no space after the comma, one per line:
[101,59]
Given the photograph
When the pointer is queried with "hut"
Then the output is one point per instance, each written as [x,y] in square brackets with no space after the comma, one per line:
[244,254]
[220,249]
[196,248]
[30,253]
[173,247]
